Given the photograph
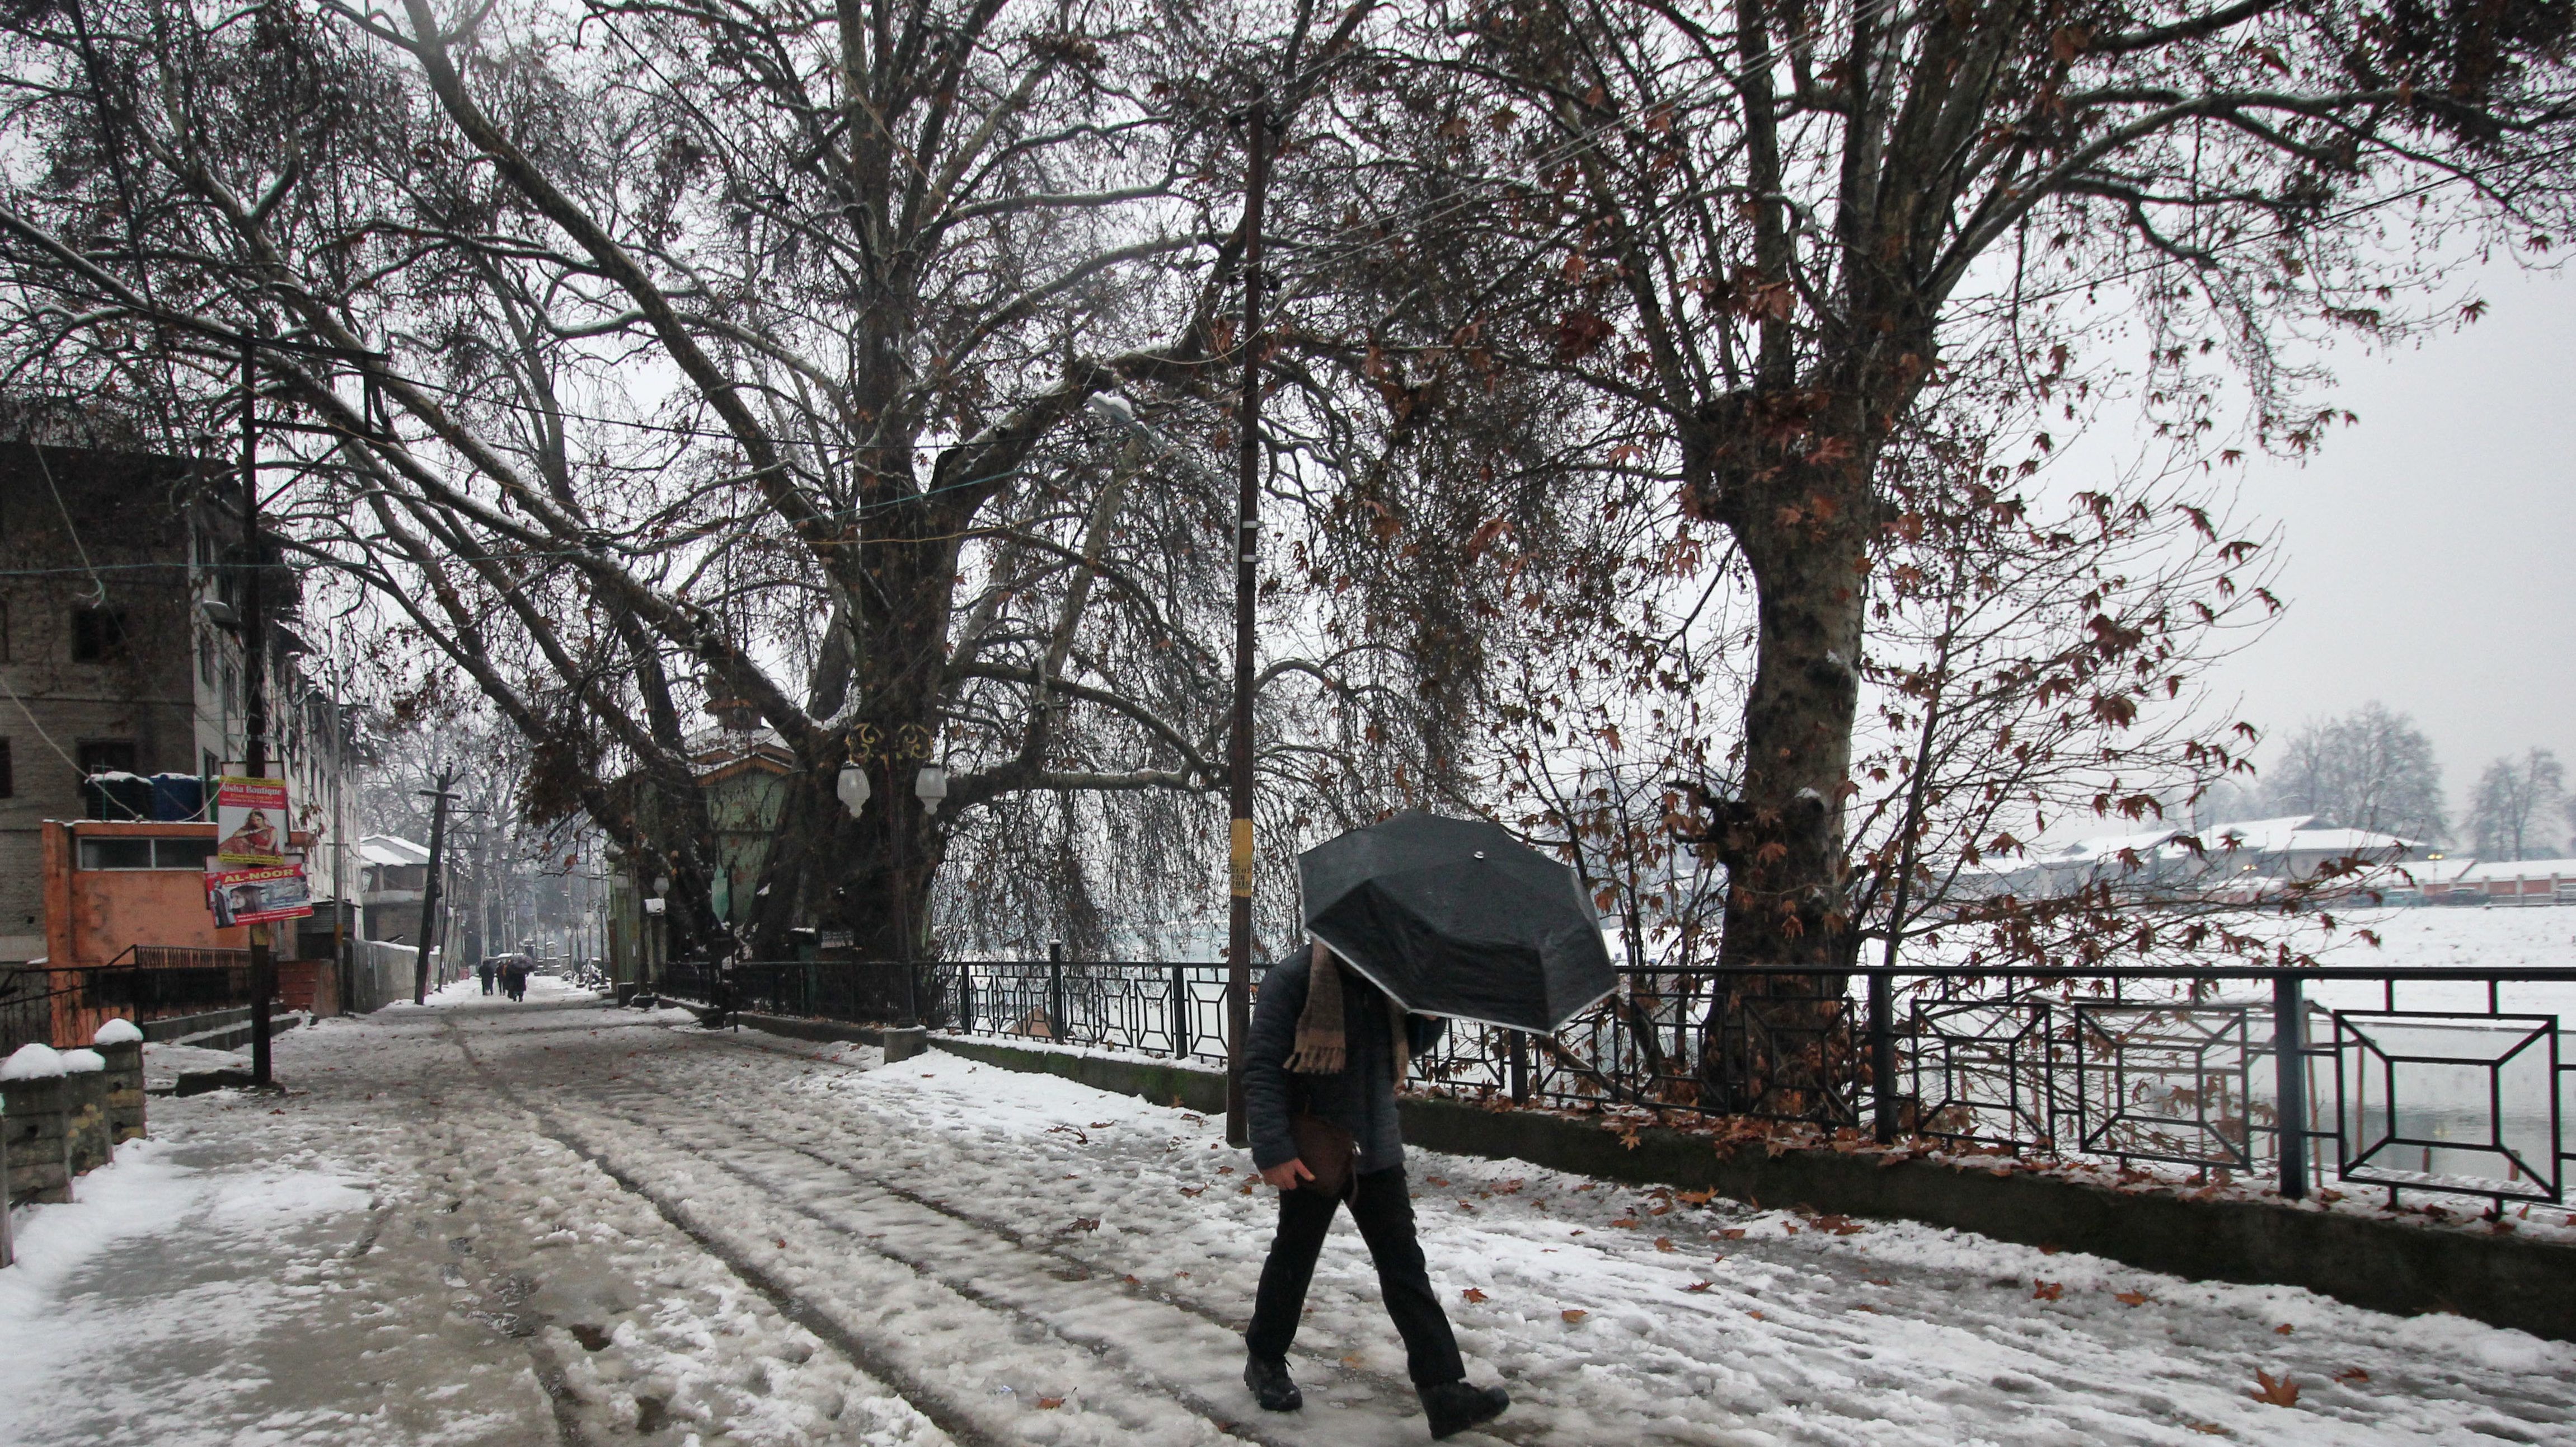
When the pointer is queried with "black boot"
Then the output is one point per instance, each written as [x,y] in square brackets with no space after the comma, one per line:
[1453,1407]
[1271,1385]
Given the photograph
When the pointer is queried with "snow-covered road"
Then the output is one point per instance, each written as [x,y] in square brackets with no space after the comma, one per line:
[563,1220]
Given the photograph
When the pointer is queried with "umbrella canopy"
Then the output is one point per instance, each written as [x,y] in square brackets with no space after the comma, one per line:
[1455,917]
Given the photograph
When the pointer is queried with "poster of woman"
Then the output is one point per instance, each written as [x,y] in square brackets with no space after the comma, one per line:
[250,820]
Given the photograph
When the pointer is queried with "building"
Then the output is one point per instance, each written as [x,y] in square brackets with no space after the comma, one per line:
[2509,882]
[742,770]
[393,877]
[120,661]
[2239,862]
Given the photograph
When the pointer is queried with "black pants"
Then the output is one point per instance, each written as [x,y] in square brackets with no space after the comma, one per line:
[1384,1213]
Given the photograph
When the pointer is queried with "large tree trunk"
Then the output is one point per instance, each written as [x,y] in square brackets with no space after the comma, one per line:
[1790,478]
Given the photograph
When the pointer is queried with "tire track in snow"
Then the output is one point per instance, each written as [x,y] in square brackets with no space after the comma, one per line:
[1157,1347]
[1022,1243]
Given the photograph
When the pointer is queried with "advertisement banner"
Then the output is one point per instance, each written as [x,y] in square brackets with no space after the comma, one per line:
[250,820]
[256,896]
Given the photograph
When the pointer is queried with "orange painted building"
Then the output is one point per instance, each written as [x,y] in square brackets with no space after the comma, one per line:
[128,934]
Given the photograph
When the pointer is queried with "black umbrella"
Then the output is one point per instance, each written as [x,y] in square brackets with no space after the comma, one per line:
[1455,917]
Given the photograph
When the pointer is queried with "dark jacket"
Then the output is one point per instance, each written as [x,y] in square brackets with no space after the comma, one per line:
[1361,1099]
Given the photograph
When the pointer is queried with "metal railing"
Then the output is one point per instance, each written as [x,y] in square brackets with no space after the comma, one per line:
[2445,1080]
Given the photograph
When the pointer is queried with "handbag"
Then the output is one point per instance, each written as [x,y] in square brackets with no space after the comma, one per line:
[1331,1154]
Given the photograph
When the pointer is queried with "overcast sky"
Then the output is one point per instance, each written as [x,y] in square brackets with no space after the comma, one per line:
[2431,550]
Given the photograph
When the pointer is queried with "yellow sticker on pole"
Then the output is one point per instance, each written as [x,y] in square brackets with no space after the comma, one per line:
[1242,860]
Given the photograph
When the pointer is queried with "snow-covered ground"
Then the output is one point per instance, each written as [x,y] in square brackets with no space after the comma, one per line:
[487,1222]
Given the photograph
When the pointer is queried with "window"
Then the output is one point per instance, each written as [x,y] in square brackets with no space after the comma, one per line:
[98,635]
[107,756]
[129,852]
[205,657]
[116,854]
[8,773]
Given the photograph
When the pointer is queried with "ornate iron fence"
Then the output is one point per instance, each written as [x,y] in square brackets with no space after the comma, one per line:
[2447,1080]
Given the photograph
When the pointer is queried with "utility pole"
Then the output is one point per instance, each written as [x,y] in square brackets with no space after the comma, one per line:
[254,640]
[430,887]
[1238,979]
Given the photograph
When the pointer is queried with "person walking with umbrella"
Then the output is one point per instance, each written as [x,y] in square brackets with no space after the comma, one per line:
[1412,919]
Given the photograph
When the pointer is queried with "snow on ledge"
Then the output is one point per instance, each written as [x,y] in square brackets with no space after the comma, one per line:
[118,1032]
[83,1062]
[33,1062]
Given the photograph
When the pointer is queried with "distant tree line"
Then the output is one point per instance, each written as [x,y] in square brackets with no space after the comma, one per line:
[2374,769]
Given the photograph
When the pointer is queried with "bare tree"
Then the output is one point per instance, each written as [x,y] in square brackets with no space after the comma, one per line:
[667,356]
[2510,813]
[1792,244]
[2370,769]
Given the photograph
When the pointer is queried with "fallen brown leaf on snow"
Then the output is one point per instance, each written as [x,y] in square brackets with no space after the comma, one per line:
[1573,1314]
[1472,1294]
[2046,1290]
[2280,1393]
[2131,1298]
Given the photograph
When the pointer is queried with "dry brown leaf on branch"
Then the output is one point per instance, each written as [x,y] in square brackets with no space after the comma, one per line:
[2280,1392]
[2046,1290]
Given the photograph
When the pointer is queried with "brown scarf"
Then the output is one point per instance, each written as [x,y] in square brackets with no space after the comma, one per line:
[1321,1050]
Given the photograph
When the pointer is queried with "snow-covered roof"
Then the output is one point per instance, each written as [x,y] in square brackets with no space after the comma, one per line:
[2488,870]
[717,748]
[2102,847]
[2343,841]
[2261,836]
[391,849]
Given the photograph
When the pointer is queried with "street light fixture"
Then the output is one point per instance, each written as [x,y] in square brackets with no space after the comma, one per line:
[930,786]
[853,787]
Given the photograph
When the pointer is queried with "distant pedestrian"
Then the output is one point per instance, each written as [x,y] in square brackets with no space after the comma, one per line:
[515,976]
[484,973]
[1320,1071]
